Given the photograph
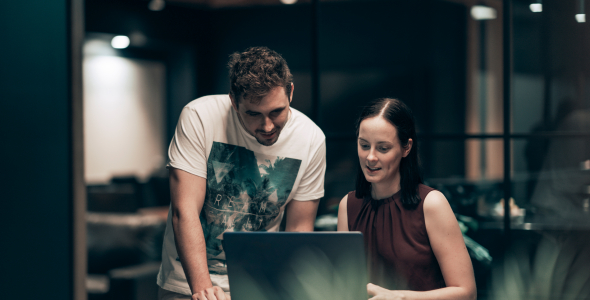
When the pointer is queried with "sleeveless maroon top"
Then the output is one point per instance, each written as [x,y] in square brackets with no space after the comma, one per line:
[396,242]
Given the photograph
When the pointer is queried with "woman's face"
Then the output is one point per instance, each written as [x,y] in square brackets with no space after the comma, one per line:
[380,151]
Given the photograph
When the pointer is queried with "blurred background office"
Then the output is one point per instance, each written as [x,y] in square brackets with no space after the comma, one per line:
[91,91]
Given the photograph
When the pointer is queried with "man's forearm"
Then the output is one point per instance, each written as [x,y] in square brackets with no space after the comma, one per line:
[192,250]
[301,215]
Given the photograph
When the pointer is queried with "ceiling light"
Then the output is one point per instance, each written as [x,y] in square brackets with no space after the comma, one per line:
[581,18]
[536,7]
[288,1]
[156,5]
[480,12]
[120,42]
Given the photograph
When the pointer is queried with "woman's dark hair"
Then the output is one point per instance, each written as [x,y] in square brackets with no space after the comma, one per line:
[400,116]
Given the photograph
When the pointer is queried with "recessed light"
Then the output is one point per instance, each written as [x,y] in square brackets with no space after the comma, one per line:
[120,42]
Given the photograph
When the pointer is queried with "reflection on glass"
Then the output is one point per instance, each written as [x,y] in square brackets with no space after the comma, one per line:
[536,110]
[562,190]
[551,172]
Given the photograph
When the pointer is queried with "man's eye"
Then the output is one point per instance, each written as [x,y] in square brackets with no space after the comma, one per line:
[276,113]
[252,114]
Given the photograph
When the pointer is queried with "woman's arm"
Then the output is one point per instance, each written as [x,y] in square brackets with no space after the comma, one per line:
[449,248]
[342,214]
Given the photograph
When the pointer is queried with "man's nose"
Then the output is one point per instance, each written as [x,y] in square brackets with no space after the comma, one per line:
[267,124]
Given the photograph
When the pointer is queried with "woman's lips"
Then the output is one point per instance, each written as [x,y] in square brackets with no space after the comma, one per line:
[372,170]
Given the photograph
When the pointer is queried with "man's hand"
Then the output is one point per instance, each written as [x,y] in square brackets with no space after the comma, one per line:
[379,293]
[212,293]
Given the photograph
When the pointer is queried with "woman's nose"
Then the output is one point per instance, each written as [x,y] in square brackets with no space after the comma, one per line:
[371,156]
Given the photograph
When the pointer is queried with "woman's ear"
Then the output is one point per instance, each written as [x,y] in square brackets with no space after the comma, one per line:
[408,147]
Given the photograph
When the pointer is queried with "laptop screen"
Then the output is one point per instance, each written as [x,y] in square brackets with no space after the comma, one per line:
[296,265]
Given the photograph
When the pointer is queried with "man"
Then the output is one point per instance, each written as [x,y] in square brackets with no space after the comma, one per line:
[237,162]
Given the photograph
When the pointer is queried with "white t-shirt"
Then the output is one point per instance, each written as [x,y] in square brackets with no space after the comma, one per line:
[248,184]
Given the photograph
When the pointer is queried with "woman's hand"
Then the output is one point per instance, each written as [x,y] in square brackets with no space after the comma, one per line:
[379,293]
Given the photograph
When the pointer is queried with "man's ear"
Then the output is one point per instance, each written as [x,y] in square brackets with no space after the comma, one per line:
[408,147]
[234,104]
[291,96]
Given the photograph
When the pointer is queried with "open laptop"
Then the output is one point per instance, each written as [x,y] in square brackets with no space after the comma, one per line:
[296,265]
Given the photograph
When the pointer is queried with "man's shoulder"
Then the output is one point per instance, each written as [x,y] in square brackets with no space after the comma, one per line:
[210,101]
[304,123]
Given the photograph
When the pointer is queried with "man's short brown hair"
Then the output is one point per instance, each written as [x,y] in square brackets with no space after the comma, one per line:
[255,72]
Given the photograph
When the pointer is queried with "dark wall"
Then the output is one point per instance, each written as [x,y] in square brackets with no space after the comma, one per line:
[36,150]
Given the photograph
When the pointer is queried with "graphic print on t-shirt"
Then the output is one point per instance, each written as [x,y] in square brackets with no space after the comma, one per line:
[245,191]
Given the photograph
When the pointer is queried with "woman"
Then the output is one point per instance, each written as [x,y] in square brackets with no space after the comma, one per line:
[413,241]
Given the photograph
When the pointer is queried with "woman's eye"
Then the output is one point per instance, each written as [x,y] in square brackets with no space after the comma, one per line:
[383,149]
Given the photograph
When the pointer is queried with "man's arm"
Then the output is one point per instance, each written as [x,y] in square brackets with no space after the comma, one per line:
[301,215]
[187,193]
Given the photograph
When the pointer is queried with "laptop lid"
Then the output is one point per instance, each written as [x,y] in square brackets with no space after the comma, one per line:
[296,265]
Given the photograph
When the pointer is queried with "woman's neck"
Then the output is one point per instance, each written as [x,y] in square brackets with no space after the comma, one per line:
[382,190]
